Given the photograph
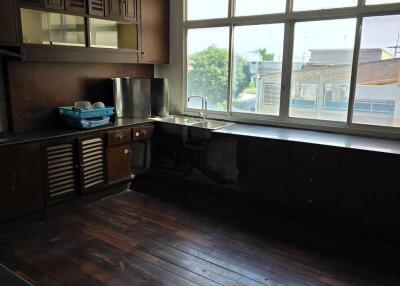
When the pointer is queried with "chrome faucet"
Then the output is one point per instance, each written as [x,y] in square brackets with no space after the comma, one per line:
[204,104]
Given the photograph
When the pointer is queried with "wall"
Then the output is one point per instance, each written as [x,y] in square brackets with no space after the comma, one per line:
[173,71]
[3,102]
[37,89]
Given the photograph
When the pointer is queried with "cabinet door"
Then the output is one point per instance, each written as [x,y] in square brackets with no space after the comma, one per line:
[369,193]
[55,4]
[154,23]
[92,163]
[33,3]
[119,163]
[21,181]
[115,9]
[61,167]
[97,7]
[313,179]
[268,170]
[130,12]
[8,30]
[76,6]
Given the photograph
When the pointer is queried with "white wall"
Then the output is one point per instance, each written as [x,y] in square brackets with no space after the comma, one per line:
[174,70]
[3,104]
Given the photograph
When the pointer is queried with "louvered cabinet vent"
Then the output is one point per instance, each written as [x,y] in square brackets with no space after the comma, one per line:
[92,163]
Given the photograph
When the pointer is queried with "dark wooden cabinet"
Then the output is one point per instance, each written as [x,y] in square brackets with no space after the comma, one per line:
[130,10]
[92,163]
[154,25]
[33,3]
[76,6]
[55,4]
[21,191]
[313,179]
[119,163]
[8,23]
[97,7]
[115,9]
[268,170]
[124,10]
[61,170]
[369,193]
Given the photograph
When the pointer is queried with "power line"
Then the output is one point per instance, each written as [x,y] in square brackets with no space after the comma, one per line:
[396,47]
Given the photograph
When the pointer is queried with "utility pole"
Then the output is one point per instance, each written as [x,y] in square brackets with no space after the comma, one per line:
[396,47]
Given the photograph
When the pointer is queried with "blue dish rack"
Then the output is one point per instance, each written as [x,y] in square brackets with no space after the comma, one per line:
[86,119]
[70,112]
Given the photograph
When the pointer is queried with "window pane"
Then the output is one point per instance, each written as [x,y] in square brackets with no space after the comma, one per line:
[207,9]
[303,5]
[376,2]
[321,69]
[207,67]
[257,69]
[377,100]
[259,7]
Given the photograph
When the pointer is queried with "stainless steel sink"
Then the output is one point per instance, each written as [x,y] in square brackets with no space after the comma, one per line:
[212,125]
[180,120]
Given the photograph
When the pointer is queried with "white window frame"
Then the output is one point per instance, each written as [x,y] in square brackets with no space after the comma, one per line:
[289,18]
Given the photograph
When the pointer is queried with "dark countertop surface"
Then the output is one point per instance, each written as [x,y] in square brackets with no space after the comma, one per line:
[390,146]
[41,135]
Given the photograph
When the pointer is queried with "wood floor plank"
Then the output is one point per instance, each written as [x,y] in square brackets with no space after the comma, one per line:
[135,239]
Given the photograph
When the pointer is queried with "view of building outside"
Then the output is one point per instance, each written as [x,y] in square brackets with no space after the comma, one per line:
[321,73]
[377,99]
[321,67]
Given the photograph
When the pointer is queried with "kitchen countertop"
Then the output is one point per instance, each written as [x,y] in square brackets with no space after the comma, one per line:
[41,135]
[389,146]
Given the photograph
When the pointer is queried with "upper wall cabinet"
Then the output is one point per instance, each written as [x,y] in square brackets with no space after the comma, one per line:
[76,6]
[8,28]
[97,7]
[154,31]
[122,10]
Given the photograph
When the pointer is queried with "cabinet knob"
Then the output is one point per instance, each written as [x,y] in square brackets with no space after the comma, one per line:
[120,137]
[126,151]
[137,134]
[310,202]
[312,180]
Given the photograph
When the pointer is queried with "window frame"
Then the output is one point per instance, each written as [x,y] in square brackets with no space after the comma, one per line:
[289,18]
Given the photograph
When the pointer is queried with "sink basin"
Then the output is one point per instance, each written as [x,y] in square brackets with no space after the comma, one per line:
[213,125]
[180,120]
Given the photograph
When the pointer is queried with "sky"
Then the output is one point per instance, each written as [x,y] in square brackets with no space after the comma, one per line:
[378,32]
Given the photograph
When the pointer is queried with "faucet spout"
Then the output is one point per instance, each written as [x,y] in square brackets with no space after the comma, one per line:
[204,105]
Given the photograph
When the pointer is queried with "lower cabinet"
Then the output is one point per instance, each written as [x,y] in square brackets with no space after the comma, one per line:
[92,163]
[369,193]
[313,179]
[119,163]
[61,169]
[268,173]
[21,190]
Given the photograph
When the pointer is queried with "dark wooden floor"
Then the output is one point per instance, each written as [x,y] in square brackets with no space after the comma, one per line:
[135,239]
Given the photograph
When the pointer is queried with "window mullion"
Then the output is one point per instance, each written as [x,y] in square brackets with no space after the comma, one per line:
[354,71]
[230,67]
[286,71]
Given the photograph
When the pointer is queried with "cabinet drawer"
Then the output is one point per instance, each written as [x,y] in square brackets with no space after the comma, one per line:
[119,137]
[142,132]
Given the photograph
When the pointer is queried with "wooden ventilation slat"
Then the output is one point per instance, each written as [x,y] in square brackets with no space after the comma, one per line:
[92,162]
[60,171]
[77,3]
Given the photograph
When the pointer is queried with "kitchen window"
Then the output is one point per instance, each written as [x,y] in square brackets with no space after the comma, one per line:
[321,63]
